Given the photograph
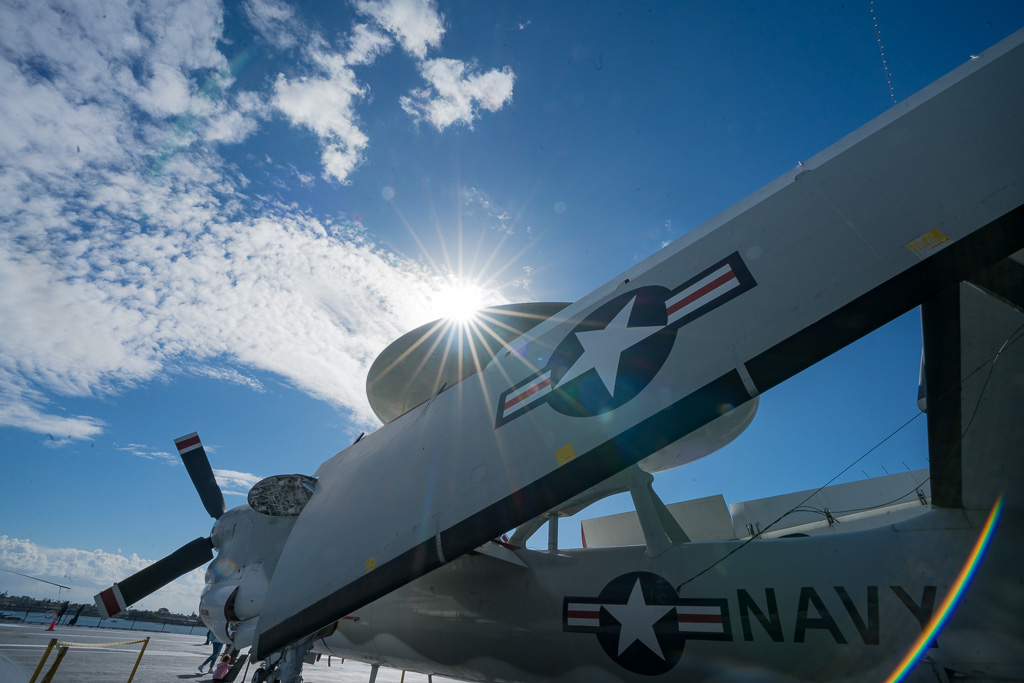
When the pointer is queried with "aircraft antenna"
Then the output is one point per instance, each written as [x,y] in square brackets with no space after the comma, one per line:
[881,50]
[36,578]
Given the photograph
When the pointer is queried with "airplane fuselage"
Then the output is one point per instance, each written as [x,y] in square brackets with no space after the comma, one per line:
[844,608]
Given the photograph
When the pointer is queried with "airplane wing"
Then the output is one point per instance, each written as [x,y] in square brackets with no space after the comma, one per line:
[910,204]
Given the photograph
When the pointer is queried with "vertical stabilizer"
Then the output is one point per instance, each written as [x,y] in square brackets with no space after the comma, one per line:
[974,385]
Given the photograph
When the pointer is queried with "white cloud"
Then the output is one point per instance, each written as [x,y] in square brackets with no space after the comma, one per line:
[456,94]
[326,104]
[88,572]
[231,480]
[231,118]
[24,407]
[274,20]
[304,178]
[478,202]
[231,376]
[144,451]
[231,127]
[183,33]
[524,282]
[128,249]
[415,23]
[326,107]
[365,45]
[95,51]
[166,93]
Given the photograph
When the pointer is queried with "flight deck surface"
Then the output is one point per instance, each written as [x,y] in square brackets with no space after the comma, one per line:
[169,657]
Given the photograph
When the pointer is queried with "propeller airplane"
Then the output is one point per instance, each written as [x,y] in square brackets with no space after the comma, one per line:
[536,410]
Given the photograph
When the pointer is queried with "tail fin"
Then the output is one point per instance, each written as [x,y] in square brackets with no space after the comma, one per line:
[974,381]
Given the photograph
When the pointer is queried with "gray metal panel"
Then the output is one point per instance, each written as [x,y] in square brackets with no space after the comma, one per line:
[840,498]
[703,519]
[992,455]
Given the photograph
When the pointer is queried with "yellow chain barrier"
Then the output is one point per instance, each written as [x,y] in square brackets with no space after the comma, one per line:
[63,649]
[123,642]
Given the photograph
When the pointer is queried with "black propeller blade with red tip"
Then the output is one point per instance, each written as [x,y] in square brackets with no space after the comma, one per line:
[190,556]
[193,455]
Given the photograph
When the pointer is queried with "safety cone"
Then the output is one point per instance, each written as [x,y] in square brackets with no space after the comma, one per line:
[52,624]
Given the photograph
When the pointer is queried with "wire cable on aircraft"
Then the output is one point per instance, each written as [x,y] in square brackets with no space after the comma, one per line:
[1012,339]
[793,509]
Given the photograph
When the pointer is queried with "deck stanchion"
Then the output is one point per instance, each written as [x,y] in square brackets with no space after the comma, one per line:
[56,663]
[39,667]
[141,652]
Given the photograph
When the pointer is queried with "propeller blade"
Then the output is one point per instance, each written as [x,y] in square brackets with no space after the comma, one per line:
[154,577]
[192,453]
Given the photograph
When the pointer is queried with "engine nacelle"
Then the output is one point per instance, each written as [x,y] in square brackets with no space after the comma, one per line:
[249,540]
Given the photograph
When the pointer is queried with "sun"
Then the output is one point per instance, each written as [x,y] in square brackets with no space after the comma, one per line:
[459,300]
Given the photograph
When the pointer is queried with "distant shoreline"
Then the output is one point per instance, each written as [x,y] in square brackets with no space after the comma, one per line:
[171,625]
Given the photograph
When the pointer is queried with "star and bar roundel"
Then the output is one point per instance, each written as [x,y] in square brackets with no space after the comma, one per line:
[642,624]
[616,351]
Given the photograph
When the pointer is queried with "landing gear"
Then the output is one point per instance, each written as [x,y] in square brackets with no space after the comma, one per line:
[284,666]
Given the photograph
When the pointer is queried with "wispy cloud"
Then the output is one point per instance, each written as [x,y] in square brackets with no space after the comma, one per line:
[231,482]
[274,20]
[476,202]
[525,282]
[23,406]
[144,451]
[236,483]
[231,376]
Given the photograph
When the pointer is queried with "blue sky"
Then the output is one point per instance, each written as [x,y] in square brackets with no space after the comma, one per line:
[213,217]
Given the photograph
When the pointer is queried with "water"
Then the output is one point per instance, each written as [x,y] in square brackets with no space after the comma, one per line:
[97,622]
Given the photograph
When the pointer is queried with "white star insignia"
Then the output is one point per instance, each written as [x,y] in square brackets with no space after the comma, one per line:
[637,619]
[602,349]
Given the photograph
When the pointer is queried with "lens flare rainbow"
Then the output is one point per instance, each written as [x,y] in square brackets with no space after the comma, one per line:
[951,600]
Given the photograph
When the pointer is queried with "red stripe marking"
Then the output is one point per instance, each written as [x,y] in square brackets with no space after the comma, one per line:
[714,284]
[110,602]
[580,614]
[187,443]
[529,392]
[700,618]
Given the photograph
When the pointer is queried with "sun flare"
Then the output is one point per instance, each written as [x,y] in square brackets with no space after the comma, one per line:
[459,300]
